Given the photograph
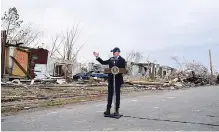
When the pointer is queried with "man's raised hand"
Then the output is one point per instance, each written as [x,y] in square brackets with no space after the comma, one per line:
[96,54]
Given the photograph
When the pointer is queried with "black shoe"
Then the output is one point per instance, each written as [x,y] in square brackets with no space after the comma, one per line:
[116,112]
[107,112]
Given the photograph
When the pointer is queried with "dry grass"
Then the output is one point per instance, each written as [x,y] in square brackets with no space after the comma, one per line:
[15,100]
[18,99]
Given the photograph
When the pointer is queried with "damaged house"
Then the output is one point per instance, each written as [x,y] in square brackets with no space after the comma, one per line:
[58,67]
[151,70]
[20,62]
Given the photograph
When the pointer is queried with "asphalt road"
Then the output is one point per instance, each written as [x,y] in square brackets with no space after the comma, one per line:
[191,109]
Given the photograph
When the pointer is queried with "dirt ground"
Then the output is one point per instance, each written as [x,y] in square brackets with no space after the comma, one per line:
[15,100]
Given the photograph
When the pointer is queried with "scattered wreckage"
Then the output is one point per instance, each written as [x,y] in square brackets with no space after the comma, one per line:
[89,75]
[87,80]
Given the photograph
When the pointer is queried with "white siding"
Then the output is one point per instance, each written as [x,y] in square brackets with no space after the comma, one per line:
[40,70]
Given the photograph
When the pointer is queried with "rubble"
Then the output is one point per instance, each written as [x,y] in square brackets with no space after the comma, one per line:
[193,75]
[144,83]
[29,94]
[172,88]
[61,81]
[16,81]
[32,82]
[178,84]
[175,83]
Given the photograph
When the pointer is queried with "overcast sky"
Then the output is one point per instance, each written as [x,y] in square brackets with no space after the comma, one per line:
[159,28]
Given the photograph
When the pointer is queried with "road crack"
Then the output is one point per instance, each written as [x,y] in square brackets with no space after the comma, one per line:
[157,119]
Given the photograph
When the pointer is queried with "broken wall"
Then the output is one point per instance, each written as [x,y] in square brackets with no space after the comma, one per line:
[150,70]
[38,63]
[72,67]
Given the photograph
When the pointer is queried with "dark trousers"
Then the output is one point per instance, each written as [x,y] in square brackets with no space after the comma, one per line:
[111,92]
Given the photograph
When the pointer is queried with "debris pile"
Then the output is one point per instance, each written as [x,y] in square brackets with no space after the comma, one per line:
[190,75]
[176,80]
[20,94]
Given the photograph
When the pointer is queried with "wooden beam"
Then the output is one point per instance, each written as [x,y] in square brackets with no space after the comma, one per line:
[24,71]
[12,45]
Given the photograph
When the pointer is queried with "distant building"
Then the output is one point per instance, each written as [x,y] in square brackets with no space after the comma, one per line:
[55,67]
[148,69]
[96,67]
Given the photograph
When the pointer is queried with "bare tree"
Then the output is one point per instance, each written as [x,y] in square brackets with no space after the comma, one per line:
[191,68]
[188,66]
[57,42]
[11,22]
[197,67]
[175,58]
[133,56]
[151,67]
[65,46]
[70,40]
[27,35]
[17,33]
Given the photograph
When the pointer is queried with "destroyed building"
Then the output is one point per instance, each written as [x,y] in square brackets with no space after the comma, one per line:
[20,62]
[96,67]
[151,70]
[57,67]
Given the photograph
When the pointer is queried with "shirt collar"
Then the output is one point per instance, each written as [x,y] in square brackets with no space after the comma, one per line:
[117,57]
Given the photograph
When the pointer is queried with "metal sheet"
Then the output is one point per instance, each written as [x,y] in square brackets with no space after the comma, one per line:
[40,71]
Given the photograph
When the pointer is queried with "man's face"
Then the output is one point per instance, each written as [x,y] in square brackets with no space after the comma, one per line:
[116,54]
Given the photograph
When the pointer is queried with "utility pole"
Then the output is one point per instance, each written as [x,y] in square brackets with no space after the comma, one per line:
[210,62]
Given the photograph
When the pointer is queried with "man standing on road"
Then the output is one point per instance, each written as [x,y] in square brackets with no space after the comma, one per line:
[120,63]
